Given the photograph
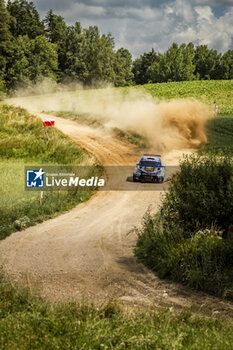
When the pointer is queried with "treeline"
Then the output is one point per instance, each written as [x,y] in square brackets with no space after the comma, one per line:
[32,49]
[182,63]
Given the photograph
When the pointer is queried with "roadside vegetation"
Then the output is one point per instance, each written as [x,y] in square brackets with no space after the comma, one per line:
[82,118]
[191,239]
[98,121]
[28,322]
[23,142]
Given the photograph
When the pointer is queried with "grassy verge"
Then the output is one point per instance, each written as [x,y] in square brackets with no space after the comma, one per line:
[28,322]
[88,119]
[191,240]
[132,137]
[82,118]
[22,141]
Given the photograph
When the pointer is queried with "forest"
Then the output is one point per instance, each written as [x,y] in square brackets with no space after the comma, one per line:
[32,49]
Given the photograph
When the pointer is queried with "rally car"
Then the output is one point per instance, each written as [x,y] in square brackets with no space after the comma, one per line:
[149,168]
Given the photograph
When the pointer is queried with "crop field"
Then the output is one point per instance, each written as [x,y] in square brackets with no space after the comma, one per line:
[22,141]
[206,91]
[220,136]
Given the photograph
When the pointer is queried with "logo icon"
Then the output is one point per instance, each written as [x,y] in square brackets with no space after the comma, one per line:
[35,178]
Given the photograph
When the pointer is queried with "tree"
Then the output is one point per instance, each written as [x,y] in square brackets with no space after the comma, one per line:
[141,66]
[207,63]
[5,44]
[227,65]
[75,65]
[32,60]
[25,19]
[99,56]
[56,32]
[176,64]
[123,68]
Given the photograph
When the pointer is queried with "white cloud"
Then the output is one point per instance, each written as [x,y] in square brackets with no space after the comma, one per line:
[183,10]
[216,32]
[139,26]
[204,13]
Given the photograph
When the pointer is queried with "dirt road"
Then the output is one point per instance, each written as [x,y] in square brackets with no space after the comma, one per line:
[88,252]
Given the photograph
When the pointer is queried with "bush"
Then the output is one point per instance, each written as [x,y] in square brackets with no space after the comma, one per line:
[201,194]
[191,240]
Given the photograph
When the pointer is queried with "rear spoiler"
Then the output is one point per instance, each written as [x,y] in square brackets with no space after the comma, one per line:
[153,155]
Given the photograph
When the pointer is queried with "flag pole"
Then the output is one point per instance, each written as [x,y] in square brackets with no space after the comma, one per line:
[46,132]
[46,122]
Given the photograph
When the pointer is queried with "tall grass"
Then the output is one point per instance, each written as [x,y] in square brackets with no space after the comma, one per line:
[22,136]
[28,322]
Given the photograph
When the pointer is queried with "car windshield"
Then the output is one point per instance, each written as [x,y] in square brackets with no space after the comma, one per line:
[149,164]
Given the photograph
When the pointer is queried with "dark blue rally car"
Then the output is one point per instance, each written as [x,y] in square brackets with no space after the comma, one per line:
[149,168]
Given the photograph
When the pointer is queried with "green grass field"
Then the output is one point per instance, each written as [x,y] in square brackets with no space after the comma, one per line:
[23,142]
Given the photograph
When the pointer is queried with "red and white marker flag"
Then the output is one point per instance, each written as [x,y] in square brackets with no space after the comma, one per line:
[48,122]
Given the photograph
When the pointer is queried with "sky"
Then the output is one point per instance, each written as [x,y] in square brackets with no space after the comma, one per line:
[140,26]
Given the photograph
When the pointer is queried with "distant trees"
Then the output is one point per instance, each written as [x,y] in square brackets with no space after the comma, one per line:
[176,64]
[31,49]
[184,62]
[207,63]
[226,65]
[123,68]
[142,67]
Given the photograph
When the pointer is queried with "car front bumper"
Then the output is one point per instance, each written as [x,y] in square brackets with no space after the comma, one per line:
[147,177]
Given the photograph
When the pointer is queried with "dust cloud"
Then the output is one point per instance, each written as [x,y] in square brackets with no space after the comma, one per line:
[168,125]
